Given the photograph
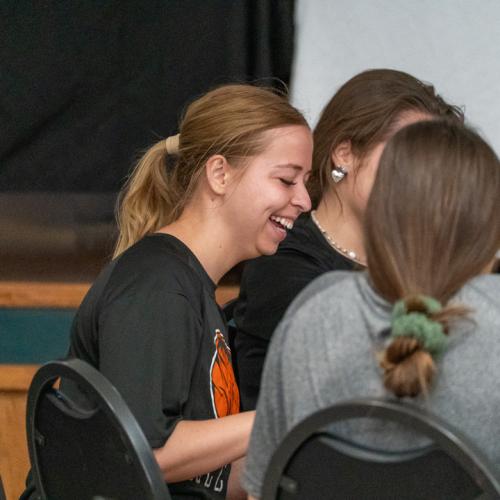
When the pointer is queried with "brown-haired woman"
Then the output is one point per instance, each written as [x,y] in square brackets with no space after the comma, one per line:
[348,140]
[423,322]
[226,189]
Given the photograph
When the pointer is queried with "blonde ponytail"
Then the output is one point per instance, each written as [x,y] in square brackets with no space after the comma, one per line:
[148,199]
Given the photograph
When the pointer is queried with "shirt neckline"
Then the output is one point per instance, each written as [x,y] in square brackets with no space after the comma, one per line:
[191,259]
[325,245]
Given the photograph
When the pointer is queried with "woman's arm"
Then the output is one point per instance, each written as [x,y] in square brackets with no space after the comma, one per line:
[235,490]
[197,447]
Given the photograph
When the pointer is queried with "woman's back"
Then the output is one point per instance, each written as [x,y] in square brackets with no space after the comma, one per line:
[325,351]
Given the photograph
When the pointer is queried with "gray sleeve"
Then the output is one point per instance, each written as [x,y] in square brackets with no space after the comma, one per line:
[286,372]
[267,430]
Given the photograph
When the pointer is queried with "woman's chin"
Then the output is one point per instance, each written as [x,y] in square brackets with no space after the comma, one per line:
[268,248]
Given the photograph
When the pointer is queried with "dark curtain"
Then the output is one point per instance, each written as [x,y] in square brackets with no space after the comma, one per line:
[86,85]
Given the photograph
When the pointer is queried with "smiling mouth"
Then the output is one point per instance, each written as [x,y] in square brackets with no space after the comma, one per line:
[282,222]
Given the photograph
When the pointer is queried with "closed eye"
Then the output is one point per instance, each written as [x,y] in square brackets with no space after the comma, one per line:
[287,182]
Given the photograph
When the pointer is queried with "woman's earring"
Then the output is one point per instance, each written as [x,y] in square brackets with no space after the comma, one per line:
[338,173]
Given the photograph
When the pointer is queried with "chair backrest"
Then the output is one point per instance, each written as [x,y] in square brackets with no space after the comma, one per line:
[311,462]
[83,441]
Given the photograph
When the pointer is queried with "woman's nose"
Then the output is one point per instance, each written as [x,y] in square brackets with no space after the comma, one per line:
[301,198]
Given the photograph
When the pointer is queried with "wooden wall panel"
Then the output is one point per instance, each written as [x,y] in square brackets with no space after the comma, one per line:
[14,460]
[33,294]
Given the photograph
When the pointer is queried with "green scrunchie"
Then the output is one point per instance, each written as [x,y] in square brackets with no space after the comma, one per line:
[419,326]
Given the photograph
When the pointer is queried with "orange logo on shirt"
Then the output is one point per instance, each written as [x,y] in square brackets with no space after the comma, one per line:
[223,387]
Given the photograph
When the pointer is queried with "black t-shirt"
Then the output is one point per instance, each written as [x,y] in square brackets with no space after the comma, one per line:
[268,286]
[151,325]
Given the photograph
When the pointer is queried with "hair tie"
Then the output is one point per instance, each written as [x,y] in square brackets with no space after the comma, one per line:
[419,325]
[172,144]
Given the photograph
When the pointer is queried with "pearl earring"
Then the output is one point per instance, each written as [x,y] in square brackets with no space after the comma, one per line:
[338,173]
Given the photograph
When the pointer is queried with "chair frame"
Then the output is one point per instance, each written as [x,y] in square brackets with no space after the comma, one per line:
[113,406]
[445,436]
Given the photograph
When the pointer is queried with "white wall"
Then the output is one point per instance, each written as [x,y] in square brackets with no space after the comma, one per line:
[454,44]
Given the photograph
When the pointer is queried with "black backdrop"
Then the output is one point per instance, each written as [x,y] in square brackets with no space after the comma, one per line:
[86,84]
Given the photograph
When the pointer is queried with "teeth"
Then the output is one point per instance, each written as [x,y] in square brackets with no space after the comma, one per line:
[287,223]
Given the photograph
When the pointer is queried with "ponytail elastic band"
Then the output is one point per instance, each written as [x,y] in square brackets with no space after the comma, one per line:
[172,144]
[419,325]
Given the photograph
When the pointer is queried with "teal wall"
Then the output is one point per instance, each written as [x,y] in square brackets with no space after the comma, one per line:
[33,336]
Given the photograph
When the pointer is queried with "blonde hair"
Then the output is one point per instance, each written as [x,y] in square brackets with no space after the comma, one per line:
[431,225]
[230,121]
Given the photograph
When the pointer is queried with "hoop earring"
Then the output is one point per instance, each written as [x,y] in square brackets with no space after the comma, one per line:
[338,173]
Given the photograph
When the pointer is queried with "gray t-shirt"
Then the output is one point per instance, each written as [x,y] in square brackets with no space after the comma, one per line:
[325,351]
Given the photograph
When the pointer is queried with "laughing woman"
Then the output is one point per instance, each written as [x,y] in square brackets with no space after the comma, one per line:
[221,191]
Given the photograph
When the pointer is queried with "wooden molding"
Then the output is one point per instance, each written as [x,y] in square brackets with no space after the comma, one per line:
[34,294]
[41,294]
[16,377]
[14,462]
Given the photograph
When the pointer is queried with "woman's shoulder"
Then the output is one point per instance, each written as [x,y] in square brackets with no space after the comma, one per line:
[331,319]
[329,295]
[153,250]
[484,285]
[335,306]
[152,274]
[157,264]
[482,295]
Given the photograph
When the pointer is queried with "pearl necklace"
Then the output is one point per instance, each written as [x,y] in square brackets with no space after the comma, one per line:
[350,254]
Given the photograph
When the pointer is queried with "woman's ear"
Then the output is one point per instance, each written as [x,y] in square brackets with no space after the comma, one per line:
[218,171]
[342,155]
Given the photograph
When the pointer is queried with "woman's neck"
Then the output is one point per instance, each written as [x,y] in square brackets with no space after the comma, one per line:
[207,240]
[343,226]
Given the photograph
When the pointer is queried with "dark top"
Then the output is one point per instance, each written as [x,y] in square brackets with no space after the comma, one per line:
[151,325]
[268,286]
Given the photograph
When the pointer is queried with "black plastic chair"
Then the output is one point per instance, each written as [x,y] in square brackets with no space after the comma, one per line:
[311,463]
[83,441]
